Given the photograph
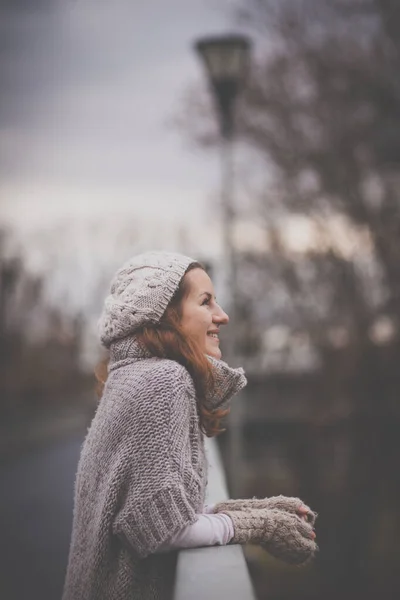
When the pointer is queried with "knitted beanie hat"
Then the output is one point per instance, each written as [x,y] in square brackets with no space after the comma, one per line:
[140,293]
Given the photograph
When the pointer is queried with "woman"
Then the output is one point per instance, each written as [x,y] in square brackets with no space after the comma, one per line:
[140,485]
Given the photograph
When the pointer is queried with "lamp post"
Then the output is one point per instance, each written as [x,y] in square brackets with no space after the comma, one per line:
[226,59]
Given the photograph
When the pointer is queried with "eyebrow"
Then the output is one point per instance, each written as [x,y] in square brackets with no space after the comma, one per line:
[207,294]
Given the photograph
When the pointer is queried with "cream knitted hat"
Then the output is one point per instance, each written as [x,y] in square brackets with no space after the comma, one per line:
[140,292]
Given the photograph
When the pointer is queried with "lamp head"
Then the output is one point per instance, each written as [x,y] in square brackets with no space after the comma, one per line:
[226,59]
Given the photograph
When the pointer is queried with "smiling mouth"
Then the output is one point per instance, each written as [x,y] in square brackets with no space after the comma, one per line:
[213,335]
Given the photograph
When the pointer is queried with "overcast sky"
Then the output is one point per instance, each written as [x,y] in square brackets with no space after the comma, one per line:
[88,90]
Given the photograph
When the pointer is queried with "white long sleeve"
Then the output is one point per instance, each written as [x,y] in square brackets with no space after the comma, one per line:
[208,530]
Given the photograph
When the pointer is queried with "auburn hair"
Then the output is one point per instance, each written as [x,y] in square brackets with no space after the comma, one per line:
[166,340]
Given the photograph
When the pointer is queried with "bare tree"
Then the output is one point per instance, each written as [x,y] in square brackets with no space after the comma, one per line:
[322,115]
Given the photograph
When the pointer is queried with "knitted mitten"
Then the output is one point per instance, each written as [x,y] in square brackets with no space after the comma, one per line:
[284,535]
[287,504]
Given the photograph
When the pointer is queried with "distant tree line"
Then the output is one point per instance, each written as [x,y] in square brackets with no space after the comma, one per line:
[39,345]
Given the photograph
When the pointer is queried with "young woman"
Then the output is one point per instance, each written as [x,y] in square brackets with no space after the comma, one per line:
[140,485]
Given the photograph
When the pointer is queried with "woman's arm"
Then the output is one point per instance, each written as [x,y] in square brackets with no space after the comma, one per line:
[158,498]
[208,530]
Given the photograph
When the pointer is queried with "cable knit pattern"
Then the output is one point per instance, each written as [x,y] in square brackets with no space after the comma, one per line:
[284,535]
[141,477]
[287,504]
[140,293]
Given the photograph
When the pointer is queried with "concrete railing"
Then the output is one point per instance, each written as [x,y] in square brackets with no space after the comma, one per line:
[217,572]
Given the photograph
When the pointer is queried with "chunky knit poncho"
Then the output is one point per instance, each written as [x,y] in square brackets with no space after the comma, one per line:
[141,477]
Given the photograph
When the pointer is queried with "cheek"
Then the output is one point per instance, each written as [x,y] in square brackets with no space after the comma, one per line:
[197,321]
[202,323]
[207,320]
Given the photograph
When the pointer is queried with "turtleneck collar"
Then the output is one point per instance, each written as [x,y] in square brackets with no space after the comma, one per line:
[227,381]
[127,348]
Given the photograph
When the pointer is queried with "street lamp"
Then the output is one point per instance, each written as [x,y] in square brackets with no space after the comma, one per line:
[227,60]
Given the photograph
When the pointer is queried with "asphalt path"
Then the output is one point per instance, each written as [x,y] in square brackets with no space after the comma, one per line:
[36,504]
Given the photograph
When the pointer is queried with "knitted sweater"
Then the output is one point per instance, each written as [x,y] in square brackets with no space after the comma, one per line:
[141,476]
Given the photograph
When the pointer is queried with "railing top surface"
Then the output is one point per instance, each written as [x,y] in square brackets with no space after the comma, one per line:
[217,572]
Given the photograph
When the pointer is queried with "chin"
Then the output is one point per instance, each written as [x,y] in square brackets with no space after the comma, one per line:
[215,353]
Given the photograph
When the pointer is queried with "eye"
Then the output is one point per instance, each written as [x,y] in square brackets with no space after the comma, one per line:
[206,301]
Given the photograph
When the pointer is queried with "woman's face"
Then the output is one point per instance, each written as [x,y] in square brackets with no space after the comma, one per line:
[201,314]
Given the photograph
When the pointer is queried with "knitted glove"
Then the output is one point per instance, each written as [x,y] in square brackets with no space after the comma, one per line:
[287,504]
[284,535]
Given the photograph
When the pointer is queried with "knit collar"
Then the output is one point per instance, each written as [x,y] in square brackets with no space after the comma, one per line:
[127,348]
[227,381]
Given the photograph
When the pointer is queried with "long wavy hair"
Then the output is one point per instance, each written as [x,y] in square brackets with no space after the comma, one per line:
[166,340]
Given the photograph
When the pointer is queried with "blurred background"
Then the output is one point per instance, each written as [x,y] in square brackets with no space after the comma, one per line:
[110,144]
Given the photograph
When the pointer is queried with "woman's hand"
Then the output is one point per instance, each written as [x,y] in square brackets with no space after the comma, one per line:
[287,504]
[305,513]
[286,536]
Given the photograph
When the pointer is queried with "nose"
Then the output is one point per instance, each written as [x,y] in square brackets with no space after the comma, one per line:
[220,317]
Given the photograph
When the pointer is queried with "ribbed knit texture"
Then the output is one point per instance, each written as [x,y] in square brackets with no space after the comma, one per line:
[284,535]
[141,477]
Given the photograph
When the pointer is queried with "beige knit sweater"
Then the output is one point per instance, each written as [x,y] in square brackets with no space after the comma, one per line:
[141,476]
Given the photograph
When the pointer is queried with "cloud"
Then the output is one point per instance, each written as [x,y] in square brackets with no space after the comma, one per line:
[87,89]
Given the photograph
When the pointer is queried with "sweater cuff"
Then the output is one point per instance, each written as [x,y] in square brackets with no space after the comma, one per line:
[147,525]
